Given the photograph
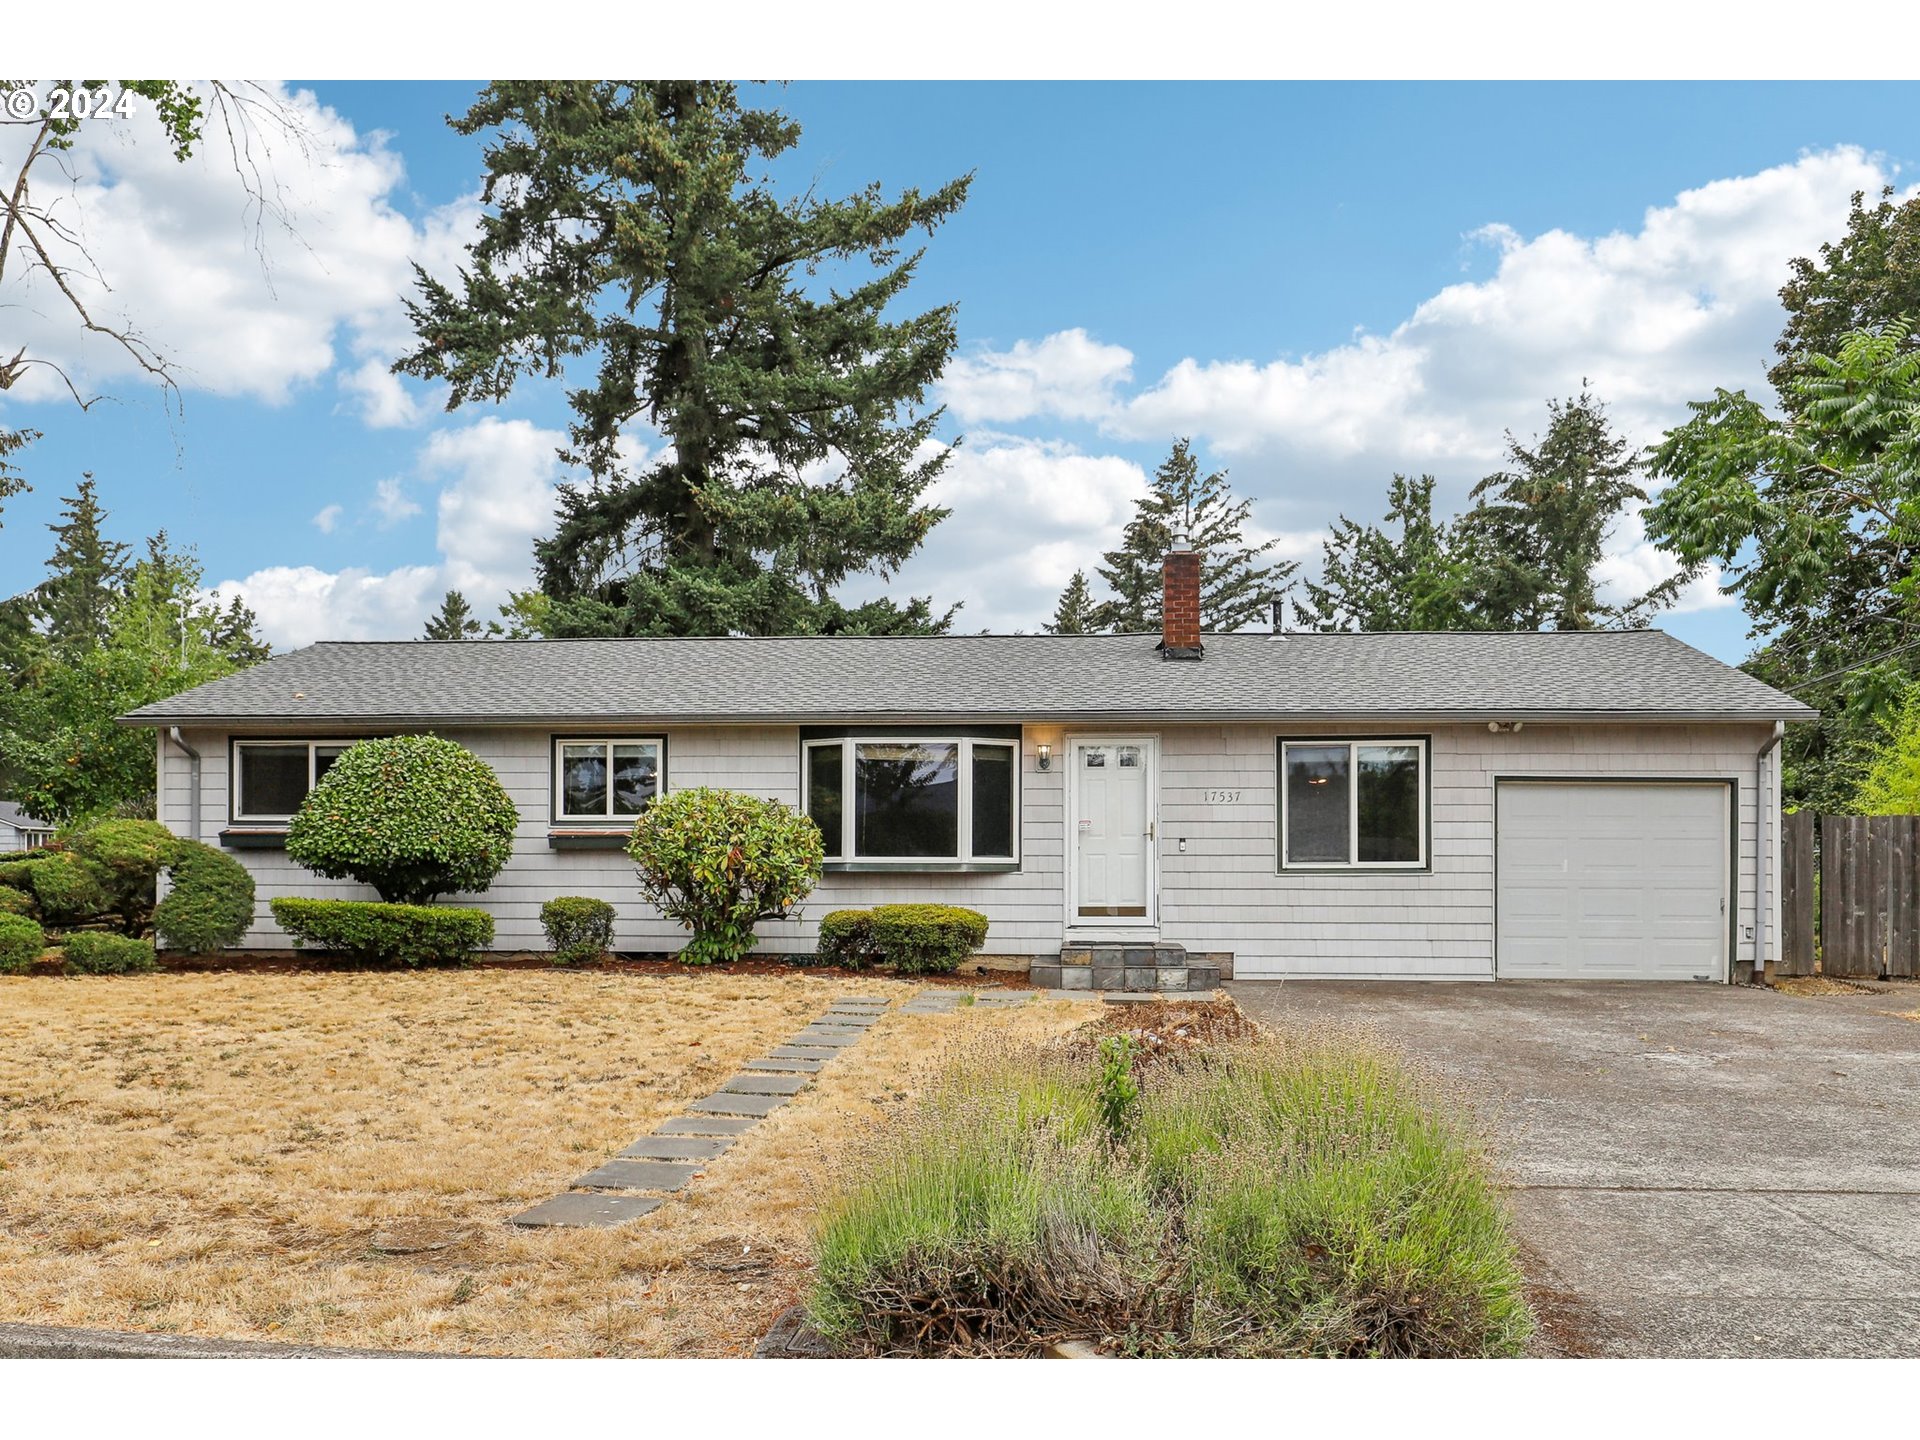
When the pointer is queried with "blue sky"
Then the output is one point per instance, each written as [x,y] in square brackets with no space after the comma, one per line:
[1321,283]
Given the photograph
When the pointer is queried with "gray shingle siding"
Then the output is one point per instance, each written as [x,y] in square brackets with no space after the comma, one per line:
[1635,674]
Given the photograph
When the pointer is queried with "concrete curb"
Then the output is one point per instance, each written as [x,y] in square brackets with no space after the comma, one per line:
[55,1342]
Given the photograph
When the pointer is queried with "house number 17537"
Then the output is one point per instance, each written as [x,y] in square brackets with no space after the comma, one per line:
[1222,797]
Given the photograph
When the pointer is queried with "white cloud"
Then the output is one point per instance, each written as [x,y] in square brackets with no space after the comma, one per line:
[391,504]
[299,604]
[1068,374]
[496,483]
[1651,318]
[327,518]
[239,309]
[381,397]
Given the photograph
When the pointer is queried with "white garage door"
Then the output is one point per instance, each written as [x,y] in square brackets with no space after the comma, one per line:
[1611,882]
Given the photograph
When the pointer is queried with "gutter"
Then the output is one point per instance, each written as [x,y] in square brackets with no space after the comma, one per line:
[193,781]
[1762,886]
[1194,715]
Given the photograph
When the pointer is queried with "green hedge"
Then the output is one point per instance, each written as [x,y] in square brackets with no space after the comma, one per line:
[383,933]
[21,941]
[95,952]
[209,903]
[927,939]
[846,938]
[579,928]
[15,902]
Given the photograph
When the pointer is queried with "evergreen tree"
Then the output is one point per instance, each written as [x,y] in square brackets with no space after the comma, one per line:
[12,482]
[1423,578]
[1076,613]
[455,620]
[1236,589]
[634,222]
[84,576]
[1540,527]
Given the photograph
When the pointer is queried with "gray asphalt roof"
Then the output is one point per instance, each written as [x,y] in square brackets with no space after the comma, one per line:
[12,814]
[1596,674]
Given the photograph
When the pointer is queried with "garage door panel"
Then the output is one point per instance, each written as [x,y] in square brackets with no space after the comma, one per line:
[1616,881]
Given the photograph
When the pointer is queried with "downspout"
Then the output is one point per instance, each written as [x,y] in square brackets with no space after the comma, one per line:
[1762,889]
[193,781]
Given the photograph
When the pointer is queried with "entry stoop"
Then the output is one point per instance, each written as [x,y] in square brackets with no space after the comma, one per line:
[1110,965]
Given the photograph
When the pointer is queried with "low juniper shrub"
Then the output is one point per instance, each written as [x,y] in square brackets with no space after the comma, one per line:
[21,942]
[209,902]
[95,952]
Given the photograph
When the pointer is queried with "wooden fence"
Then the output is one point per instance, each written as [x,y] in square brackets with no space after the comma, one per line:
[1850,895]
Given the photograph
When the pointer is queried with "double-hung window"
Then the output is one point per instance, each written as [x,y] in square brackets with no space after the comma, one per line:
[912,801]
[272,777]
[1353,804]
[607,781]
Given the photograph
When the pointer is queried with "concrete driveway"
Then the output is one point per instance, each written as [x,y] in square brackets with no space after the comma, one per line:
[1697,1169]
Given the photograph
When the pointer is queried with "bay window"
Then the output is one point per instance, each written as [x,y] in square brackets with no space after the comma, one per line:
[910,801]
[1353,804]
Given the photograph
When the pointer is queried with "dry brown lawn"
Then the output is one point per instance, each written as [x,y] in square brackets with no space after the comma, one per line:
[223,1154]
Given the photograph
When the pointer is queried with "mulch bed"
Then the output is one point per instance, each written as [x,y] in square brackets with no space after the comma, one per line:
[294,962]
[1167,1030]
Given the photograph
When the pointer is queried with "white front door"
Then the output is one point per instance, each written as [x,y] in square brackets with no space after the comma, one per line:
[1111,812]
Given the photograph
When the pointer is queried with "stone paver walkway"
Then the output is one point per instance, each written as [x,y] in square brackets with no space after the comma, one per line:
[637,1181]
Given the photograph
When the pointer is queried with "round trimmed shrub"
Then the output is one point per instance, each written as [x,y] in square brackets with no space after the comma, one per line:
[68,890]
[209,903]
[126,857]
[384,933]
[719,862]
[21,941]
[17,874]
[846,938]
[15,902]
[95,952]
[927,939]
[414,816]
[579,928]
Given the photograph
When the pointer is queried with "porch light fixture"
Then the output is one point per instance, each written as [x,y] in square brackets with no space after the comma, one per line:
[1046,756]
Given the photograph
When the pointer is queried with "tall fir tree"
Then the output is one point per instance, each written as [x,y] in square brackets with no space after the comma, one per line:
[1371,578]
[454,621]
[1540,527]
[1076,614]
[1236,586]
[12,481]
[84,575]
[634,222]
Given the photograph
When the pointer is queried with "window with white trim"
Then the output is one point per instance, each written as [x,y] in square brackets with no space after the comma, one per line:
[272,777]
[1353,804]
[915,800]
[609,781]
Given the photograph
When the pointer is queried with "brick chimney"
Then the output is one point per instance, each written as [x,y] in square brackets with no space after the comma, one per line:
[1180,605]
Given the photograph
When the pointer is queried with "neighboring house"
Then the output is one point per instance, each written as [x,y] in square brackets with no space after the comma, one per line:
[21,831]
[1443,806]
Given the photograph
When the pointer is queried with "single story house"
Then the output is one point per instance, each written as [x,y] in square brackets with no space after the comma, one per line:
[21,831]
[1595,805]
